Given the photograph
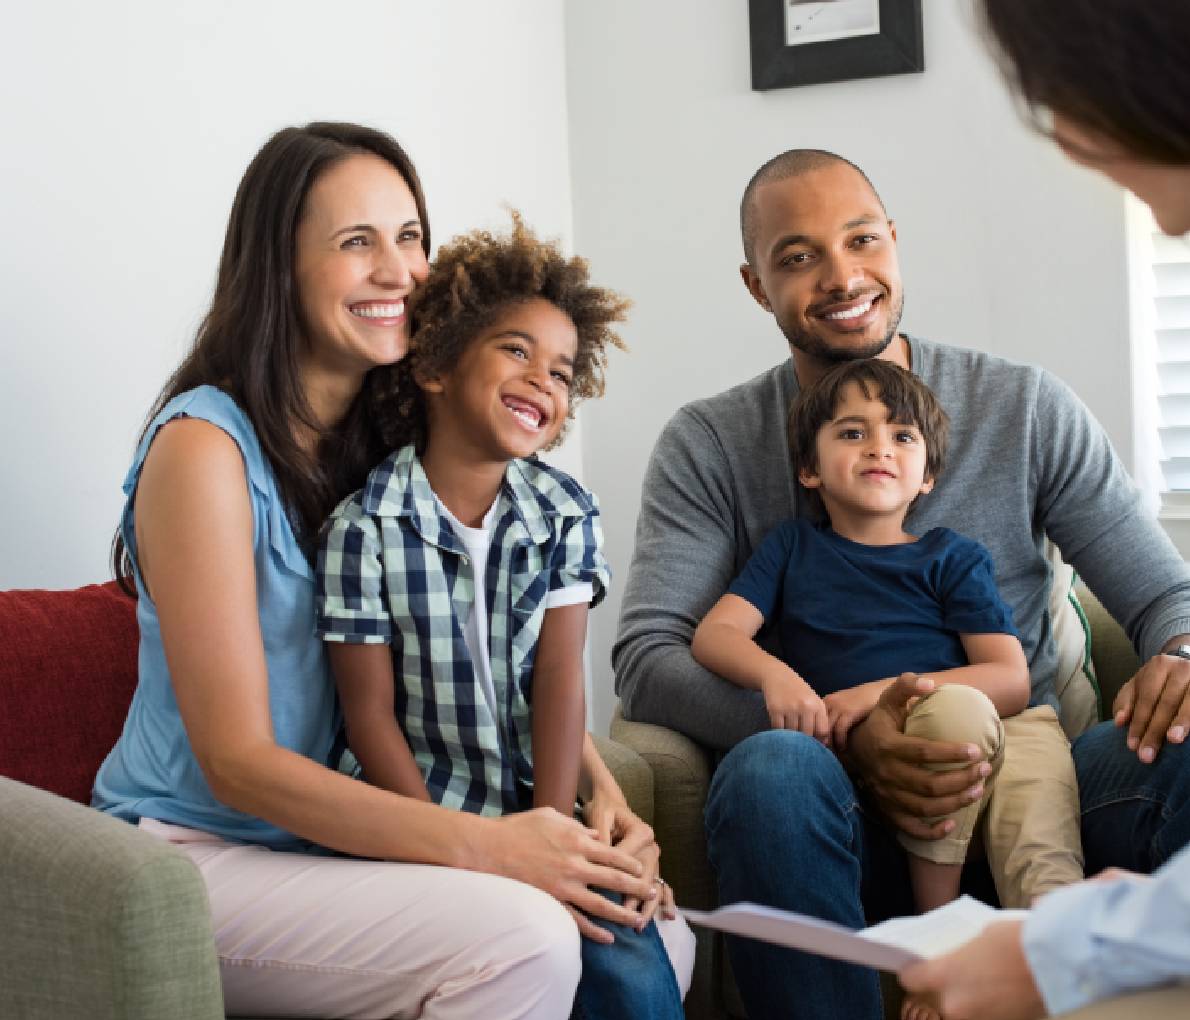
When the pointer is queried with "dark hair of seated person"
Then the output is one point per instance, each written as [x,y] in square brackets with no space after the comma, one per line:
[249,341]
[1120,68]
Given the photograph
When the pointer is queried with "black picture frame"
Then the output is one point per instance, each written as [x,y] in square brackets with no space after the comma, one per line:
[897,49]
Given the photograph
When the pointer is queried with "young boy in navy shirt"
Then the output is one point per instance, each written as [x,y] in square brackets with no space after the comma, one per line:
[856,600]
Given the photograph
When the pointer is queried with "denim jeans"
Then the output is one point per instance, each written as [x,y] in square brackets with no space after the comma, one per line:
[1135,816]
[627,979]
[786,828]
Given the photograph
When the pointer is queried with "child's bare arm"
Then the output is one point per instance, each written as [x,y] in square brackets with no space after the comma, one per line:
[364,678]
[723,644]
[559,707]
[997,666]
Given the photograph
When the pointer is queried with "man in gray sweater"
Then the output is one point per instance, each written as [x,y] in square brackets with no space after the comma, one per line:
[787,823]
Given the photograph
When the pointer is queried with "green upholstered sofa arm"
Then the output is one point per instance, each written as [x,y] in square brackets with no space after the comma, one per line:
[681,773]
[98,919]
[682,769]
[632,773]
[681,777]
[1112,653]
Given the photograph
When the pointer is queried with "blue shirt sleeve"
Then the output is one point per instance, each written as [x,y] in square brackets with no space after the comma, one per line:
[763,576]
[971,602]
[1095,940]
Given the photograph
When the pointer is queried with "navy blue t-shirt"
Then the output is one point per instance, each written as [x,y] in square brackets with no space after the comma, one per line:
[848,613]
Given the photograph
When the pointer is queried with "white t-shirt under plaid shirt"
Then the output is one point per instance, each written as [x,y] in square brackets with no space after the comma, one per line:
[391,569]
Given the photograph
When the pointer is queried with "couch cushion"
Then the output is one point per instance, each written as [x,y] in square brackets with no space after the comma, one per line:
[1077,688]
[67,672]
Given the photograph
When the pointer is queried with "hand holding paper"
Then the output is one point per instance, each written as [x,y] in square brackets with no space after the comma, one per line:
[890,946]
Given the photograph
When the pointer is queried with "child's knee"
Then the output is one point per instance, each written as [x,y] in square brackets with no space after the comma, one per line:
[635,969]
[955,713]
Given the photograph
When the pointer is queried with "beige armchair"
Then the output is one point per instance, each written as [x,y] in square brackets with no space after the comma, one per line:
[681,776]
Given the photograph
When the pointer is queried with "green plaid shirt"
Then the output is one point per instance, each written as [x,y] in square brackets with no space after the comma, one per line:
[391,569]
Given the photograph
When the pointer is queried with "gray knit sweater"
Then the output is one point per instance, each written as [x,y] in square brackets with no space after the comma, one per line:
[1026,459]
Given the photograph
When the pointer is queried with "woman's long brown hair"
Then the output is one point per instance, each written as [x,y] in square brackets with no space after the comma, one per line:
[1118,67]
[249,343]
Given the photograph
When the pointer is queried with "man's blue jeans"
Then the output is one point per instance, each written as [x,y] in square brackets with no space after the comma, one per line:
[786,828]
[628,979]
[1134,816]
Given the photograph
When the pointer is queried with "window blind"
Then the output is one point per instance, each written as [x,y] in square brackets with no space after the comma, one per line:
[1171,324]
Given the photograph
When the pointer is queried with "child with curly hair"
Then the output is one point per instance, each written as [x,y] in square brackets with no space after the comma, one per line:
[454,587]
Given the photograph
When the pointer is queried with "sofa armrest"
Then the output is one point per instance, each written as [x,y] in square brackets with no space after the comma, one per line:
[1112,653]
[681,777]
[100,919]
[631,772]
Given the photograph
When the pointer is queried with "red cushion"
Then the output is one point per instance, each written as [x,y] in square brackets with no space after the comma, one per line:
[67,672]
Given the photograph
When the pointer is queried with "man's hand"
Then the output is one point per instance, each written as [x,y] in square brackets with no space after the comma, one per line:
[850,707]
[793,705]
[895,766]
[1155,703]
[988,978]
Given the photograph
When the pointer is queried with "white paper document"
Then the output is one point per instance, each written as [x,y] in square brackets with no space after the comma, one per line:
[888,946]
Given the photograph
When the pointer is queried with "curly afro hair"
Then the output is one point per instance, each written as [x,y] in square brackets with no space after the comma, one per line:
[474,278]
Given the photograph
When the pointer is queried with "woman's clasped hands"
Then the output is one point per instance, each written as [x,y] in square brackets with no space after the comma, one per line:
[573,862]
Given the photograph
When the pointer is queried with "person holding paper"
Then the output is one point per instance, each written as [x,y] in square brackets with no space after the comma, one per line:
[1079,945]
[1112,78]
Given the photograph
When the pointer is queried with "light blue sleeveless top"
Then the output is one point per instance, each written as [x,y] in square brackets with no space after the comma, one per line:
[152,771]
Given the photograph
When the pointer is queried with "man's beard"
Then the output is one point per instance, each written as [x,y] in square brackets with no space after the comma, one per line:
[812,344]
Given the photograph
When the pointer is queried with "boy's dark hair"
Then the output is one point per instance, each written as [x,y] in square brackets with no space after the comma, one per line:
[475,277]
[1117,67]
[909,402]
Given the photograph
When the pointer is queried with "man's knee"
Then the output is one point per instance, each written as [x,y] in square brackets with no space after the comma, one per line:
[1108,771]
[1104,747]
[955,713]
[771,769]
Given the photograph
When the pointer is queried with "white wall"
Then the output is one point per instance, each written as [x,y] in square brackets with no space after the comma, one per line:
[1003,246]
[129,123]
[126,128]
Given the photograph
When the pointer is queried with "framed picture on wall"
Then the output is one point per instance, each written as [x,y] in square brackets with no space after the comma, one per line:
[808,42]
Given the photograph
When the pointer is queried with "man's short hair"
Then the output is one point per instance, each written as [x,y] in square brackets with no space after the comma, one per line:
[909,402]
[793,163]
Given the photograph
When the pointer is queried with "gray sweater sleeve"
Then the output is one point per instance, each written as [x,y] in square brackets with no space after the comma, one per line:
[684,559]
[1090,508]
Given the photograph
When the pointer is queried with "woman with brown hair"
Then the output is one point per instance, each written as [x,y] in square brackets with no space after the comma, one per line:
[264,427]
[1109,81]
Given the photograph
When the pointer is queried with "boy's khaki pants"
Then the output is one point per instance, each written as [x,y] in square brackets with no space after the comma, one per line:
[1029,811]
